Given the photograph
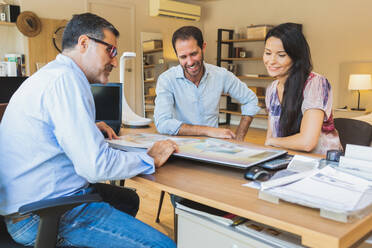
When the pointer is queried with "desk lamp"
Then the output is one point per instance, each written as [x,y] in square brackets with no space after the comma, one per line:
[130,118]
[360,82]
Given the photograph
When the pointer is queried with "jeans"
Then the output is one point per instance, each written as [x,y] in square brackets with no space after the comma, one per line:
[110,223]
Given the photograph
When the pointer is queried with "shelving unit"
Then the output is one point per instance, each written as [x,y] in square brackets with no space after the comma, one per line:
[10,44]
[231,107]
[151,72]
[12,24]
[153,51]
[240,59]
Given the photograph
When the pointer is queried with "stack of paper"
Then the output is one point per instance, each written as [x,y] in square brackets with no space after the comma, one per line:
[328,189]
[357,161]
[299,167]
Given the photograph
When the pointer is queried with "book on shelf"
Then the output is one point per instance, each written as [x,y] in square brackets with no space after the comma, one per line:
[148,106]
[255,75]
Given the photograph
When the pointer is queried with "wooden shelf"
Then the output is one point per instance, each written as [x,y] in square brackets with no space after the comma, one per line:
[242,59]
[259,97]
[149,110]
[153,51]
[148,66]
[241,40]
[149,81]
[150,95]
[239,113]
[12,24]
[258,78]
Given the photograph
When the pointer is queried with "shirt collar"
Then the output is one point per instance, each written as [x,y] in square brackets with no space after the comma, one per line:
[180,74]
[70,62]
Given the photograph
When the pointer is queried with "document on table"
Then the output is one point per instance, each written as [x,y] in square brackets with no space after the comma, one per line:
[217,151]
[357,161]
[299,167]
[328,189]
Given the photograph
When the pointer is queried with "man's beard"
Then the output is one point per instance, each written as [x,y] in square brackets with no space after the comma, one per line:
[198,63]
[95,79]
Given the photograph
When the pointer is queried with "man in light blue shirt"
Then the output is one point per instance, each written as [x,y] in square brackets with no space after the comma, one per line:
[188,95]
[50,147]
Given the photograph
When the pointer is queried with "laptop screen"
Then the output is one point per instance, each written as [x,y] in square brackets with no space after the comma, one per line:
[8,85]
[107,99]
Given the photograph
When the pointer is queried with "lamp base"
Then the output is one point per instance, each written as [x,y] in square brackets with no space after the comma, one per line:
[358,109]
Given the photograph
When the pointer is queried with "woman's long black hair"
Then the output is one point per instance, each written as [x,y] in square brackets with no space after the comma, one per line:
[295,45]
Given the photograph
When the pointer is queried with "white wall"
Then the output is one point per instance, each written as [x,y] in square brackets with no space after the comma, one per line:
[337,31]
[54,9]
[11,41]
[57,9]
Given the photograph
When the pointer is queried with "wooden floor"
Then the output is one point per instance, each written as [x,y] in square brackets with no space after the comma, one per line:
[150,196]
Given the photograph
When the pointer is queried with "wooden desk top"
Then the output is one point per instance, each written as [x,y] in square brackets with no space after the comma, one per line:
[221,187]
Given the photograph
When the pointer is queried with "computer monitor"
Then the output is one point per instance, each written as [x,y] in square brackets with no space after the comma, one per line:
[9,85]
[108,102]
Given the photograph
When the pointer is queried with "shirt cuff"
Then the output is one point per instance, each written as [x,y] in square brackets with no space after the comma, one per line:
[250,110]
[170,127]
[148,163]
[178,127]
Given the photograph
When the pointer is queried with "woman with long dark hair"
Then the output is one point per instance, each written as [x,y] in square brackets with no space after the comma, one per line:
[299,101]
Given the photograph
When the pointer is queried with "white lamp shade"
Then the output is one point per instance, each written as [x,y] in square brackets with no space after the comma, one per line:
[360,82]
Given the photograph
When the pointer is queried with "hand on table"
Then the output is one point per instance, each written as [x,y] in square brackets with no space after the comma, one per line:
[223,133]
[161,151]
[270,142]
[102,126]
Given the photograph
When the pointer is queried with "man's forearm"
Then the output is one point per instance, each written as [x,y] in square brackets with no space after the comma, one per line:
[242,129]
[196,130]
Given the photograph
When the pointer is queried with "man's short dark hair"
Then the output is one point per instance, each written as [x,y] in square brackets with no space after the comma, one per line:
[88,24]
[187,32]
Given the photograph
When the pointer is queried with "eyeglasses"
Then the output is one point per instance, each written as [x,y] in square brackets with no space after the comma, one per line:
[112,50]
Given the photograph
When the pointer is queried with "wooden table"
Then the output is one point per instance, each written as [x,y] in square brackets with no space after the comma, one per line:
[221,187]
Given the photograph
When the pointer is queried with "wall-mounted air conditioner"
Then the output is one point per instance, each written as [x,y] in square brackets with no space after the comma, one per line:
[174,9]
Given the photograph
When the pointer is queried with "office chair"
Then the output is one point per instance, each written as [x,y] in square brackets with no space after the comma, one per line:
[49,211]
[354,132]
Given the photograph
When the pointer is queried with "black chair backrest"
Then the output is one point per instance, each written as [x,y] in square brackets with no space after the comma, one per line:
[354,132]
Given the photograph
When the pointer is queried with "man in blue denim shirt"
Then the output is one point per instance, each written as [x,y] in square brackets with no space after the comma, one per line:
[188,95]
[50,147]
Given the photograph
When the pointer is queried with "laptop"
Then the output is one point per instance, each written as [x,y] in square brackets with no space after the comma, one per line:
[108,102]
[9,85]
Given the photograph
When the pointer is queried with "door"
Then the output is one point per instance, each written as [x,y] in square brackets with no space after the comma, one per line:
[122,16]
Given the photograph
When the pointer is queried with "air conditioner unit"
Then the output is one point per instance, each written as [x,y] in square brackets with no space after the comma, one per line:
[175,9]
